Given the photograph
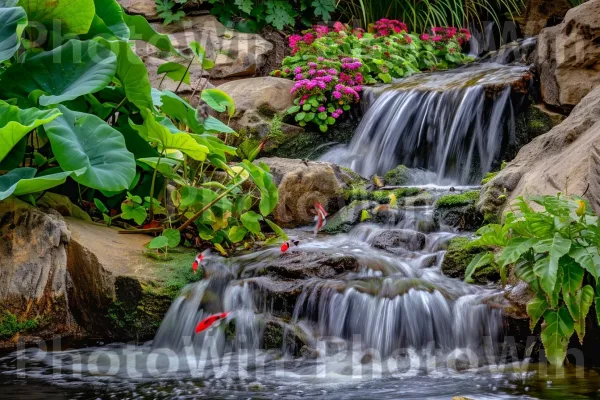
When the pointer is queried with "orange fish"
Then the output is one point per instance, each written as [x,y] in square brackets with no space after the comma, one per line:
[289,243]
[210,321]
[320,218]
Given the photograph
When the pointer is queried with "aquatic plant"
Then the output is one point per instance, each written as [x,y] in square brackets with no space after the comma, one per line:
[554,250]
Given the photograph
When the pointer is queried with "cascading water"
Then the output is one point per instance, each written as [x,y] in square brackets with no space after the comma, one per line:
[452,123]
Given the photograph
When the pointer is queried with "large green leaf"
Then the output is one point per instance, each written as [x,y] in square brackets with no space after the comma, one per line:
[132,73]
[573,275]
[109,19]
[478,261]
[21,181]
[579,305]
[536,308]
[16,123]
[84,67]
[82,140]
[236,234]
[546,269]
[514,249]
[588,258]
[13,21]
[160,134]
[556,332]
[219,101]
[199,198]
[264,182]
[250,220]
[74,16]
[175,71]
[142,30]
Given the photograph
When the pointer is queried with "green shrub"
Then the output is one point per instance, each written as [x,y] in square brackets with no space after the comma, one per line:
[555,251]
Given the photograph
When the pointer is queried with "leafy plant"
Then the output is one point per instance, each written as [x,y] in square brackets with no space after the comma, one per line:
[79,116]
[423,14]
[331,65]
[555,251]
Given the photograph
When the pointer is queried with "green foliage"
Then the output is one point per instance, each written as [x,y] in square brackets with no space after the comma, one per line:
[10,325]
[457,200]
[90,125]
[398,176]
[555,251]
[423,14]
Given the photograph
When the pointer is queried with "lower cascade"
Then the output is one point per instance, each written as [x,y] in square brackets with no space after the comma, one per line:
[452,123]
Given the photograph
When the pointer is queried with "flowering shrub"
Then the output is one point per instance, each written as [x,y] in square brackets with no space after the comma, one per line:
[330,65]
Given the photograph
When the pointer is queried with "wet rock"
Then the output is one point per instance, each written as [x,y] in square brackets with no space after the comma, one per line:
[568,56]
[543,13]
[565,159]
[301,183]
[399,240]
[303,265]
[458,211]
[277,333]
[459,255]
[235,54]
[398,176]
[348,217]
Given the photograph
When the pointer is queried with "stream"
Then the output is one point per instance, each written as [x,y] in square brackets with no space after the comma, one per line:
[367,314]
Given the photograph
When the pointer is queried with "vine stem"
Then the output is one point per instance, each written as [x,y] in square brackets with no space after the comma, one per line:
[152,187]
[184,74]
[209,205]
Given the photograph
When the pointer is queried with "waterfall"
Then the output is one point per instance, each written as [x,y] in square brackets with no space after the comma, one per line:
[453,124]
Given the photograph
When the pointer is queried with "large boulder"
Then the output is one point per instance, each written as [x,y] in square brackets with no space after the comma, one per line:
[568,56]
[543,13]
[257,102]
[62,276]
[235,54]
[145,8]
[303,182]
[566,159]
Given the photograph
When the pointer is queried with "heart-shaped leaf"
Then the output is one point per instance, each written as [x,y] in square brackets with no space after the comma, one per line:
[81,140]
[175,71]
[250,220]
[75,16]
[22,181]
[160,134]
[142,30]
[219,100]
[84,67]
[132,73]
[13,21]
[109,19]
[16,123]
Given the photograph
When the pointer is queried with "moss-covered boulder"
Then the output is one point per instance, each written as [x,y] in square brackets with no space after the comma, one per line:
[459,255]
[398,176]
[349,216]
[458,211]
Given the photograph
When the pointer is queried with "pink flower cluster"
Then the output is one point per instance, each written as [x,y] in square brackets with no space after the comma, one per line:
[296,41]
[387,27]
[351,63]
[444,34]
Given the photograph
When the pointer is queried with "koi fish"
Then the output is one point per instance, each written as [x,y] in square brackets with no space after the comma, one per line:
[320,218]
[200,258]
[209,321]
[289,243]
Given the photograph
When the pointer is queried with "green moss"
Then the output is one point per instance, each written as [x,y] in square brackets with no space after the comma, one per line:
[273,336]
[347,217]
[488,177]
[406,192]
[10,325]
[459,255]
[356,193]
[381,196]
[398,176]
[457,200]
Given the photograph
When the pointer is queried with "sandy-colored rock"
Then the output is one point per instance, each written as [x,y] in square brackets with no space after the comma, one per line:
[235,53]
[543,13]
[301,183]
[566,159]
[146,8]
[66,276]
[568,56]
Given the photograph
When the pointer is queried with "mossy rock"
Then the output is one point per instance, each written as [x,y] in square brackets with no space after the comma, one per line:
[459,211]
[380,196]
[398,176]
[459,255]
[348,217]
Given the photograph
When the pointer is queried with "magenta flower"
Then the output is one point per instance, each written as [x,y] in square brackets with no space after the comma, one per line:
[321,109]
[337,95]
[424,36]
[436,38]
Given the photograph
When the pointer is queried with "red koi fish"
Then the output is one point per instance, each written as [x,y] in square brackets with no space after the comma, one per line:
[289,243]
[320,218]
[200,258]
[209,321]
